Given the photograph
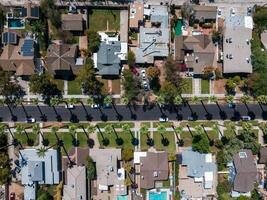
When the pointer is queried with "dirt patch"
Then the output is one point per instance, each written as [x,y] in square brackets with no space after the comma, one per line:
[17,189]
[161,66]
[219,86]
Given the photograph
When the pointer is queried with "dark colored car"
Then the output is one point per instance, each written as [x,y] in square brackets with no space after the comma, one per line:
[12,196]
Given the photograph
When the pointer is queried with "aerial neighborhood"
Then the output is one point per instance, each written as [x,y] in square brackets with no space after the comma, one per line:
[133,100]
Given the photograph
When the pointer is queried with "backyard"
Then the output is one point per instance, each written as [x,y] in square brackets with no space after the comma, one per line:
[205,86]
[104,20]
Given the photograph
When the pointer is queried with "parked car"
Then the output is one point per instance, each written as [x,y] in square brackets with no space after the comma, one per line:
[190,118]
[107,106]
[135,71]
[95,106]
[219,12]
[145,85]
[30,120]
[143,73]
[12,196]
[163,119]
[232,11]
[69,106]
[249,10]
[231,105]
[245,118]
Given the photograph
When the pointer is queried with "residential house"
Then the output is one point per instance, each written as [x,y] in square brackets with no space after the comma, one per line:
[196,52]
[197,175]
[109,58]
[151,167]
[74,177]
[75,185]
[264,38]
[236,44]
[110,175]
[154,39]
[136,17]
[243,173]
[20,58]
[62,60]
[72,22]
[36,169]
[204,13]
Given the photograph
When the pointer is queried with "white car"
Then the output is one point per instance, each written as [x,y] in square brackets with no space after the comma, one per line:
[143,73]
[219,12]
[30,120]
[232,11]
[69,106]
[245,118]
[163,119]
[95,106]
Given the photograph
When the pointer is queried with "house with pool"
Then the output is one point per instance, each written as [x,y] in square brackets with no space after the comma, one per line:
[152,169]
[110,175]
[197,175]
[17,16]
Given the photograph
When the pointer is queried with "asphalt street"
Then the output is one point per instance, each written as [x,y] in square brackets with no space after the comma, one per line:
[124,113]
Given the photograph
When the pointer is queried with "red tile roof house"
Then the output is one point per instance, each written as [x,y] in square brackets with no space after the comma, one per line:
[243,173]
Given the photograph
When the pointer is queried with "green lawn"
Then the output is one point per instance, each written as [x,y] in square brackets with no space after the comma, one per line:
[158,144]
[82,139]
[205,86]
[145,124]
[187,138]
[196,123]
[228,134]
[74,87]
[165,124]
[23,138]
[144,146]
[99,19]
[187,86]
[60,84]
[126,137]
[115,125]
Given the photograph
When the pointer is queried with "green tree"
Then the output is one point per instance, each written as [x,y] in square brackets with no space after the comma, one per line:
[125,100]
[169,91]
[94,40]
[5,173]
[130,85]
[221,161]
[152,72]
[201,143]
[195,100]
[90,168]
[89,83]
[230,99]
[43,84]
[44,195]
[11,90]
[213,99]
[131,58]
[262,99]
[178,100]
[108,100]
[230,85]
[41,152]
[90,101]
[127,154]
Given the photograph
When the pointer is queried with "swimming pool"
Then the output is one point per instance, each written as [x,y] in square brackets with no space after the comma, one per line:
[178,27]
[157,195]
[122,197]
[15,23]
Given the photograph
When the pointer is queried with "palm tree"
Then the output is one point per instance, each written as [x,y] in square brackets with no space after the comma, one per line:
[178,100]
[144,130]
[245,100]
[90,101]
[90,129]
[21,130]
[54,130]
[200,129]
[213,99]
[262,100]
[35,101]
[229,99]
[72,131]
[162,129]
[178,130]
[108,100]
[55,101]
[125,100]
[247,127]
[41,152]
[72,101]
[232,128]
[126,128]
[160,100]
[195,100]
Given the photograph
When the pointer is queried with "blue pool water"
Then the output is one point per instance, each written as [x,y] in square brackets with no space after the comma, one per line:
[122,198]
[15,23]
[157,196]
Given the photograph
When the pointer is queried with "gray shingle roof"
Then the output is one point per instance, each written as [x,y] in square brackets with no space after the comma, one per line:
[246,171]
[108,62]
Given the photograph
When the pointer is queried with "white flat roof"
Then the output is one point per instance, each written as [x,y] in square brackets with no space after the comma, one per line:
[248,22]
[138,155]
[208,158]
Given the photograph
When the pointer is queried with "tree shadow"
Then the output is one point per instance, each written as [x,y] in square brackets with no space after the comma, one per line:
[263,112]
[250,112]
[208,115]
[87,115]
[118,115]
[149,141]
[164,141]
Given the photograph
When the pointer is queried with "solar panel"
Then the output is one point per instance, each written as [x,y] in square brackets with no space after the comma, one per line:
[27,47]
[9,38]
[35,12]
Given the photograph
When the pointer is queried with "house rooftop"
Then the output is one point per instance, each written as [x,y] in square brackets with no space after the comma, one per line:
[263,155]
[72,22]
[153,167]
[236,43]
[75,187]
[205,12]
[246,171]
[106,166]
[136,14]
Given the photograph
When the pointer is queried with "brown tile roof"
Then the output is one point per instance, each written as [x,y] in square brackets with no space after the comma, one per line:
[153,167]
[136,14]
[72,22]
[12,59]
[78,155]
[205,12]
[202,47]
[246,171]
[61,57]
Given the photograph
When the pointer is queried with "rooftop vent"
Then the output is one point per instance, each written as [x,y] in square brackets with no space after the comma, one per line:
[248,60]
[155,174]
